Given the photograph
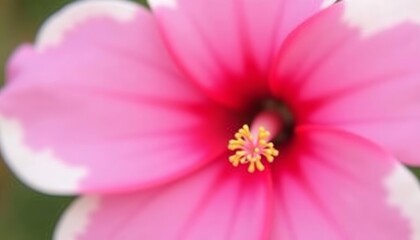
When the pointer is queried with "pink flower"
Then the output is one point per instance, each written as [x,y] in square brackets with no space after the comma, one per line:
[135,110]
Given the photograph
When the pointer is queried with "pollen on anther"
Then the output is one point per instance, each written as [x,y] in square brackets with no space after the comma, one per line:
[250,149]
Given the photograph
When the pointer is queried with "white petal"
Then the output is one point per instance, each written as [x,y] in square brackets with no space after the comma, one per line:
[387,14]
[76,219]
[39,166]
[327,3]
[163,3]
[401,184]
[56,26]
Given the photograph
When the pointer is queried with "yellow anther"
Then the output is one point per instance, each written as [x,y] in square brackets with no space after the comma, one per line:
[249,150]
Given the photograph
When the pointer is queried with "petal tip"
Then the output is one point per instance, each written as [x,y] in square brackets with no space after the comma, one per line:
[327,3]
[404,194]
[375,16]
[76,219]
[53,30]
[41,170]
[163,3]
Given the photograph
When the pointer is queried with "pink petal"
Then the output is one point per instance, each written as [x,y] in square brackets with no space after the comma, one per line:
[227,47]
[210,204]
[334,185]
[362,75]
[102,108]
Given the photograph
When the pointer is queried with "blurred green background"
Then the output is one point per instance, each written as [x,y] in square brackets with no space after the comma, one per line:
[25,214]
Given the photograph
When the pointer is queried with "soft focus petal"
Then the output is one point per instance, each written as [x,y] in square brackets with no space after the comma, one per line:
[227,47]
[356,66]
[211,204]
[103,108]
[335,185]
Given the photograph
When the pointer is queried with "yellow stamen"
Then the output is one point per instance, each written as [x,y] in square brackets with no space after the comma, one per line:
[249,150]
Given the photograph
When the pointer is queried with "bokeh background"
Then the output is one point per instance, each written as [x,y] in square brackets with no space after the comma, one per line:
[25,214]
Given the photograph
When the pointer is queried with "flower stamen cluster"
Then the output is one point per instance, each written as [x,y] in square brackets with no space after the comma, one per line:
[250,150]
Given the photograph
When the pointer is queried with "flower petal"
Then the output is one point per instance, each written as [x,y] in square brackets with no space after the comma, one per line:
[104,109]
[227,47]
[336,185]
[210,204]
[362,76]
[53,31]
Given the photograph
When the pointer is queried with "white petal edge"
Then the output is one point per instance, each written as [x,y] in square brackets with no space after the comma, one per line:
[163,3]
[173,3]
[327,3]
[386,14]
[76,219]
[53,30]
[404,194]
[41,170]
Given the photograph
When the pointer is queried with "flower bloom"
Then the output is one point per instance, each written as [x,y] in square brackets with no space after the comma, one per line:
[218,119]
